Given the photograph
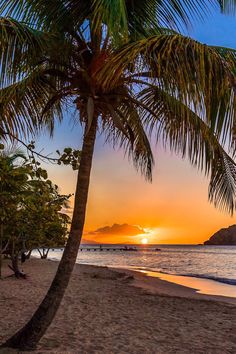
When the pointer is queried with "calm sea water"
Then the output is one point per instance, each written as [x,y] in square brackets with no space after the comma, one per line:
[210,262]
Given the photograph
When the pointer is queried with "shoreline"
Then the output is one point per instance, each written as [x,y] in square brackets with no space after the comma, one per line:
[176,285]
[206,279]
[106,311]
[193,285]
[166,284]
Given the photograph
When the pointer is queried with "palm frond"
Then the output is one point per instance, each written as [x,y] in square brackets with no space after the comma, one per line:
[173,14]
[41,14]
[22,104]
[140,151]
[222,190]
[227,6]
[140,15]
[21,46]
[112,13]
[187,70]
[185,133]
[130,135]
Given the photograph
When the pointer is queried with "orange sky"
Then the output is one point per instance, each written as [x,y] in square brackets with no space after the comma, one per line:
[173,209]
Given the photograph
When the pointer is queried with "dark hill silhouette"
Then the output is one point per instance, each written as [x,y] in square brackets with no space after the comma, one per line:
[226,236]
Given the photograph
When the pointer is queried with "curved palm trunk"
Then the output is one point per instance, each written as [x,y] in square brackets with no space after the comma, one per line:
[30,334]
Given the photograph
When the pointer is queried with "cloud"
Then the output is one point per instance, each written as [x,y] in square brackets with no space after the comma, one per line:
[84,241]
[118,229]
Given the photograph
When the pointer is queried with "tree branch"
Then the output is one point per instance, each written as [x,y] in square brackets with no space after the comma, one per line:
[41,156]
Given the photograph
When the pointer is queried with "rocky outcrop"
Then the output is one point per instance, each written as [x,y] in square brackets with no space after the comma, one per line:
[224,237]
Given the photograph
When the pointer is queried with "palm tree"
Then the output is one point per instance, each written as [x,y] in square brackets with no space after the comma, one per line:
[128,71]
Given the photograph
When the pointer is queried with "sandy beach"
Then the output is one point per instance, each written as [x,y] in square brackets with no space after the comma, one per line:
[111,311]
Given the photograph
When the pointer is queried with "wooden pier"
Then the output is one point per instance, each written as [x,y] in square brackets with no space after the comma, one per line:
[108,249]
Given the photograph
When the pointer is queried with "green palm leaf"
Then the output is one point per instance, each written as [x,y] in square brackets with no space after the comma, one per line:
[185,133]
[184,68]
[20,47]
[21,104]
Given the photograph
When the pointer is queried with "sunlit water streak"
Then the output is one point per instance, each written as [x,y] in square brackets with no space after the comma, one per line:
[209,262]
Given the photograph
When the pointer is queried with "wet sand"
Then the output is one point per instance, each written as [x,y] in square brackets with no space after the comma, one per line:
[183,286]
[115,311]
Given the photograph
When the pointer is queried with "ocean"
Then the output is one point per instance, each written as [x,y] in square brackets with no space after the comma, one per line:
[209,262]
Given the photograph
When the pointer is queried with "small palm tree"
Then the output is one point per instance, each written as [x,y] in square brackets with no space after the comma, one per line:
[127,73]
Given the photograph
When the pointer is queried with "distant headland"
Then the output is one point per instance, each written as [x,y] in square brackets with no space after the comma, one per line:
[224,237]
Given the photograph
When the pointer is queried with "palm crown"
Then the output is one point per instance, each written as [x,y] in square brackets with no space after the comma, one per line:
[117,63]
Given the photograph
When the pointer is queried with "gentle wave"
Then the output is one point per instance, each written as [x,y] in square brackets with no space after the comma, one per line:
[209,277]
[194,275]
[216,263]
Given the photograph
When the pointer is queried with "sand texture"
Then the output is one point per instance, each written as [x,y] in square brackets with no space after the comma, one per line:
[102,312]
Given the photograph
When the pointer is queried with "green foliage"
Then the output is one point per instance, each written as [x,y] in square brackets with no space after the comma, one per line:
[69,157]
[30,206]
[126,63]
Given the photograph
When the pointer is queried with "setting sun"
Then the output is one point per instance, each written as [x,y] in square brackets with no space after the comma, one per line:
[144,241]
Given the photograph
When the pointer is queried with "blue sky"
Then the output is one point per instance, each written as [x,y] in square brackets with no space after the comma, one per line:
[217,29]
